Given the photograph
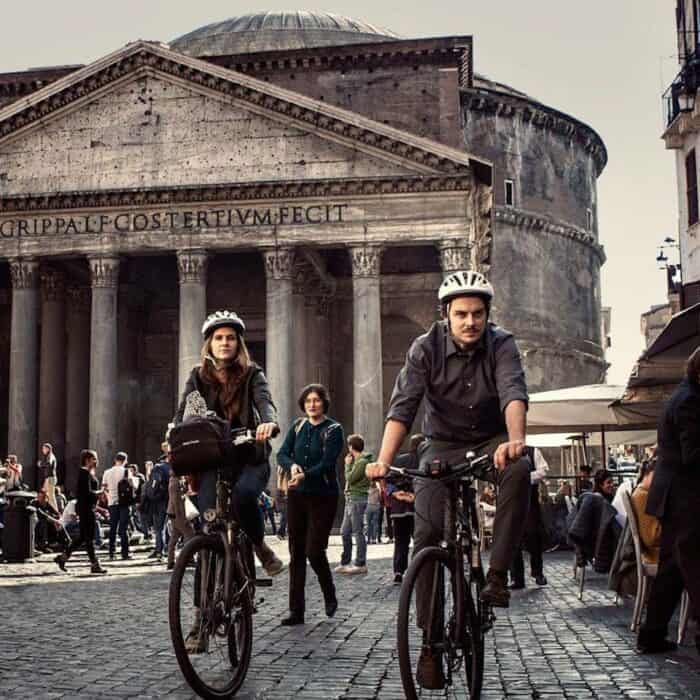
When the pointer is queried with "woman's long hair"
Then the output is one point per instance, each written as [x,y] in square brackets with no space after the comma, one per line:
[236,371]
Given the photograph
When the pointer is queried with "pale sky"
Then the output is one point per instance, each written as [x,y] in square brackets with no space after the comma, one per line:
[604,62]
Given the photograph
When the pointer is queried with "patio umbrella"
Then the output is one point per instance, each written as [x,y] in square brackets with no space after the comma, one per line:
[580,409]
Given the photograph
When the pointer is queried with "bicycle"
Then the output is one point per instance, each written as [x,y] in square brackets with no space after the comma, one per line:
[457,619]
[212,594]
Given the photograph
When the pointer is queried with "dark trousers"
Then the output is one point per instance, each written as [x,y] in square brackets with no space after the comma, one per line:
[389,523]
[532,542]
[249,485]
[679,564]
[403,531]
[118,520]
[282,531]
[309,522]
[511,511]
[86,536]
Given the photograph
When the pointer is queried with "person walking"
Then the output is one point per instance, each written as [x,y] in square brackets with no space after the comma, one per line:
[674,498]
[176,514]
[47,473]
[402,509]
[118,511]
[308,456]
[374,510]
[533,534]
[85,508]
[356,490]
[156,490]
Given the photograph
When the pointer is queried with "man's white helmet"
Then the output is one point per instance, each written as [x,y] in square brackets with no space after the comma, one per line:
[465,283]
[222,319]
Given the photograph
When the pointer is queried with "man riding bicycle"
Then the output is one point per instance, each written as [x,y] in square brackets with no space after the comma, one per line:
[469,373]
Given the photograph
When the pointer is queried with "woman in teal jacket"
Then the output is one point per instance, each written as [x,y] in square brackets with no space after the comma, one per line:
[309,456]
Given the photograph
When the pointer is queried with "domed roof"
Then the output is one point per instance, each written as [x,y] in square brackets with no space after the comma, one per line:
[271,31]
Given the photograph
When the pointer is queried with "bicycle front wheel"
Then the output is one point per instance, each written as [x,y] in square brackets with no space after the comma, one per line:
[212,638]
[436,657]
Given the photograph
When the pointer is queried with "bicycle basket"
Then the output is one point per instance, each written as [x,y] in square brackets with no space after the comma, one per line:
[198,445]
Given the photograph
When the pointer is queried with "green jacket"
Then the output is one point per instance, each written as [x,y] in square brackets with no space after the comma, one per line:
[356,483]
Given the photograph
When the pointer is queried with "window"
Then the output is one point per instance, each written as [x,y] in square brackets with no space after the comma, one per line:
[589,219]
[691,187]
[510,193]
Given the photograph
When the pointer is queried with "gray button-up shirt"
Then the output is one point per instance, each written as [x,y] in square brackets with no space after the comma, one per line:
[465,392]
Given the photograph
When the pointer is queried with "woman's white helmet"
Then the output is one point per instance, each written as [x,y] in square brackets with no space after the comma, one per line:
[465,283]
[222,319]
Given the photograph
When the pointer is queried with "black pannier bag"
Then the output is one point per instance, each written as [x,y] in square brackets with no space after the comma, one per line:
[199,445]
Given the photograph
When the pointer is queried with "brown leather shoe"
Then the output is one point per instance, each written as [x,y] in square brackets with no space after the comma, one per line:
[496,592]
[429,674]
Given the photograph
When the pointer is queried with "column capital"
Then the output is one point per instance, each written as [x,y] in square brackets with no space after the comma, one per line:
[53,285]
[279,263]
[24,273]
[192,266]
[104,271]
[366,260]
[78,298]
[455,254]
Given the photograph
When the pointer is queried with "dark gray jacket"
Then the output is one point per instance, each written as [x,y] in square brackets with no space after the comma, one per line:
[256,402]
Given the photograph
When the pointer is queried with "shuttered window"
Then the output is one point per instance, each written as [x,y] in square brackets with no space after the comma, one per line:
[691,180]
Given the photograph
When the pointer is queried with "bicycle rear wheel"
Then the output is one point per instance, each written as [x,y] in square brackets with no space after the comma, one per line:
[212,642]
[434,628]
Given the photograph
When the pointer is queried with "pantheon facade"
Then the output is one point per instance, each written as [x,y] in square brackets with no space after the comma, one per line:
[315,173]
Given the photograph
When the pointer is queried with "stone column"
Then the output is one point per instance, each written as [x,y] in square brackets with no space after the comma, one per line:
[368,397]
[104,393]
[318,356]
[192,268]
[24,346]
[300,345]
[454,255]
[77,380]
[279,334]
[52,372]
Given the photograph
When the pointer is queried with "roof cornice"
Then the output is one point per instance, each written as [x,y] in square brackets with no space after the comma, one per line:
[171,196]
[539,115]
[531,221]
[419,154]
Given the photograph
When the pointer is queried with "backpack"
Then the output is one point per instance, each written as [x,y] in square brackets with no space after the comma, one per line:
[157,486]
[125,490]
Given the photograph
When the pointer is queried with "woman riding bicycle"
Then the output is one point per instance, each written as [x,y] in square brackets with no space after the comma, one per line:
[235,389]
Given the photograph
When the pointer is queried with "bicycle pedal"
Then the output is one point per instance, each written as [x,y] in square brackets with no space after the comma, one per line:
[263,582]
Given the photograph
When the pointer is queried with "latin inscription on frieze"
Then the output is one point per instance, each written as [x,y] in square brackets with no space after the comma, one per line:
[172,221]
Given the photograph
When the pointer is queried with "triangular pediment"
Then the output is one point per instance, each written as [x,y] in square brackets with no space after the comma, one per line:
[146,116]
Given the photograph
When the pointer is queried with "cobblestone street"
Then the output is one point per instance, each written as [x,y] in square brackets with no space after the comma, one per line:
[77,636]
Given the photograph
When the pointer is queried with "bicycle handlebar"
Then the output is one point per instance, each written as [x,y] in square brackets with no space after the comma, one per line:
[445,471]
[245,436]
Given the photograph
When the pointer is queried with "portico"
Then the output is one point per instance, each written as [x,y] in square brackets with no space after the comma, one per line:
[296,224]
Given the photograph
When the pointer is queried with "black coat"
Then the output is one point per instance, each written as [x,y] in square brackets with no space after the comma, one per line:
[595,530]
[678,449]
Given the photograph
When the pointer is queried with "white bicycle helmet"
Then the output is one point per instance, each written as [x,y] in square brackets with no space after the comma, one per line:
[222,319]
[465,283]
